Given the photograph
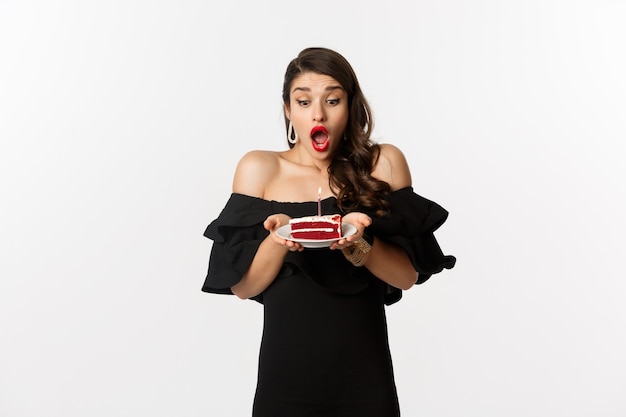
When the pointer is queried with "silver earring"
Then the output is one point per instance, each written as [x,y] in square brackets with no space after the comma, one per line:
[292,136]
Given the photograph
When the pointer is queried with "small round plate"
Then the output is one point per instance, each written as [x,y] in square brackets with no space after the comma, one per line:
[285,233]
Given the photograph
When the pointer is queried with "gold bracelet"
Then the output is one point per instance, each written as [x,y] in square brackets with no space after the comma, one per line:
[357,253]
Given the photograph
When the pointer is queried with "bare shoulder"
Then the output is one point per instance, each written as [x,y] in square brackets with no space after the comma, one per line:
[254,172]
[392,167]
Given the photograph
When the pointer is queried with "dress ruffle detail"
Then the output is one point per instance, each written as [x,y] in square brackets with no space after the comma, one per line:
[411,226]
[238,231]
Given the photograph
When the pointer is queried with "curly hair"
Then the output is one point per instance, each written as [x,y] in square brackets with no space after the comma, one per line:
[350,170]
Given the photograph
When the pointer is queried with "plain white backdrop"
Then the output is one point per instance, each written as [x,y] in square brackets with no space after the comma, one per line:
[121,123]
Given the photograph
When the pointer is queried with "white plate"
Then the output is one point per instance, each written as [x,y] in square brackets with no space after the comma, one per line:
[285,233]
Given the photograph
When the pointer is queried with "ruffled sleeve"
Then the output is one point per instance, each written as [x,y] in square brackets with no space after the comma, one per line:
[411,225]
[236,233]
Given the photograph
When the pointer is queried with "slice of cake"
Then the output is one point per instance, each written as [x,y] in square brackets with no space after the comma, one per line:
[316,227]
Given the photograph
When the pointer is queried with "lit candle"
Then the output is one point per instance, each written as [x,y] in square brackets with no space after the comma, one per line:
[319,201]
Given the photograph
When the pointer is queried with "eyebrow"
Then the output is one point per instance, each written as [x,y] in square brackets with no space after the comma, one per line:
[308,90]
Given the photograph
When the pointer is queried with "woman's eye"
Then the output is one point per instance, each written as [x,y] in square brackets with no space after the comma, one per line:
[303,102]
[333,101]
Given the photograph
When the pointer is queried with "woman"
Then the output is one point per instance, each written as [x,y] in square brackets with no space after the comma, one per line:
[324,349]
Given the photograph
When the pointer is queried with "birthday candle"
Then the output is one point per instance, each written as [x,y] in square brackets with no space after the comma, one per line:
[319,201]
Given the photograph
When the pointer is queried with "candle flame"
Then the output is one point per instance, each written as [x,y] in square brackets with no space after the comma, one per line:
[319,192]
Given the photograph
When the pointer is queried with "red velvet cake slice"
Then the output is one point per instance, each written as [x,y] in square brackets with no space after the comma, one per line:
[316,227]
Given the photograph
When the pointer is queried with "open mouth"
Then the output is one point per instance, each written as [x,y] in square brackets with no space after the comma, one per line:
[319,137]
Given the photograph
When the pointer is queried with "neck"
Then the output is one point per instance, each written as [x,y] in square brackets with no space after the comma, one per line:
[303,158]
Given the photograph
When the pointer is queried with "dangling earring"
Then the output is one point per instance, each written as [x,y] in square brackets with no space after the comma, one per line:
[292,136]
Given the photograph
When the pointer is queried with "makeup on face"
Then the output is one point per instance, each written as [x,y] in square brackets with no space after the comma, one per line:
[319,103]
[319,137]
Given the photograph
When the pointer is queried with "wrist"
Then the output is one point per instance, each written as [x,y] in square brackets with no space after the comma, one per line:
[358,253]
[367,237]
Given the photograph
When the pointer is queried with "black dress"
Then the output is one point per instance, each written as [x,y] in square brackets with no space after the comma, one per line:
[324,350]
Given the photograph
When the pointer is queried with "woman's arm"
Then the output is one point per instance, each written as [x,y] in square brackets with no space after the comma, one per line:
[391,264]
[267,261]
[388,262]
[252,176]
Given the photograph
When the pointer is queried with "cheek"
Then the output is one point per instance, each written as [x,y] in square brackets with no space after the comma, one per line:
[343,123]
[346,116]
[298,114]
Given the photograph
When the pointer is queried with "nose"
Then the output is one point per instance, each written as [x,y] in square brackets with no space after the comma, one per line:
[318,113]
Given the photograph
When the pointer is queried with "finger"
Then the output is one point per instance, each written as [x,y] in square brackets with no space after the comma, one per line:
[340,243]
[269,224]
[352,238]
[292,246]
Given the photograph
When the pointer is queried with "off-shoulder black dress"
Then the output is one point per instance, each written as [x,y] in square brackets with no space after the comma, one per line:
[324,350]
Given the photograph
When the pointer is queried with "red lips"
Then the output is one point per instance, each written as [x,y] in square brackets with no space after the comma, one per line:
[319,137]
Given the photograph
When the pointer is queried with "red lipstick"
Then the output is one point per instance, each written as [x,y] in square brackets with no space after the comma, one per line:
[319,137]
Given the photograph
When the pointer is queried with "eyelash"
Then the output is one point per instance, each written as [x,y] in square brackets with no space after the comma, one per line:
[332,102]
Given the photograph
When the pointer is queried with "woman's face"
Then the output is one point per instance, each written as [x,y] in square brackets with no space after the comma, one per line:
[318,110]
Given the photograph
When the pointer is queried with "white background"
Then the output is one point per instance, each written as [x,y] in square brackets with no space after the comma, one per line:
[121,123]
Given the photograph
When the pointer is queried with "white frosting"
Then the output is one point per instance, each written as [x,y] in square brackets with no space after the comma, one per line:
[325,219]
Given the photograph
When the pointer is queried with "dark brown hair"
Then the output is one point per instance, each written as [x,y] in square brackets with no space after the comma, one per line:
[350,170]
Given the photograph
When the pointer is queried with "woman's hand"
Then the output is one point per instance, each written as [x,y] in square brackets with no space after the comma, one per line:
[273,223]
[360,221]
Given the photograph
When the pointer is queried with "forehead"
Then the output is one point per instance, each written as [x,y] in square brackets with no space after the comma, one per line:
[314,82]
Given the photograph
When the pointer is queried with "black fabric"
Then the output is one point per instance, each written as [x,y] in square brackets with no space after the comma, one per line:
[324,350]
[412,224]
